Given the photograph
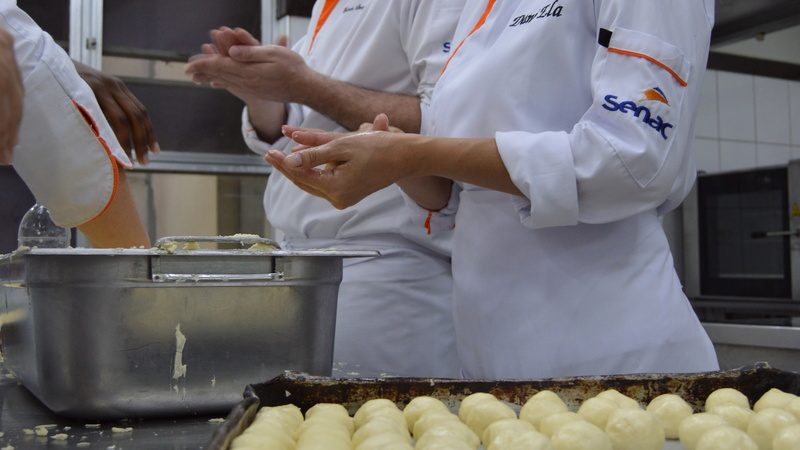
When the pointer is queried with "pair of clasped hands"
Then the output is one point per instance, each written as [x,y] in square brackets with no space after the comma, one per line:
[342,168]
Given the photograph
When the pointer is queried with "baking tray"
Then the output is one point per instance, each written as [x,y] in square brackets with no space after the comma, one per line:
[128,333]
[306,390]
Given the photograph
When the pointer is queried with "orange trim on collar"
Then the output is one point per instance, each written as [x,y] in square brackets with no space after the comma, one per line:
[674,74]
[323,17]
[478,25]
[93,126]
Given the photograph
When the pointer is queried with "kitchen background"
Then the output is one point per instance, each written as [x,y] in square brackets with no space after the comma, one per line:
[206,182]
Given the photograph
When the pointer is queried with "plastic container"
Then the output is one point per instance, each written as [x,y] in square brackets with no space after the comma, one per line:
[37,230]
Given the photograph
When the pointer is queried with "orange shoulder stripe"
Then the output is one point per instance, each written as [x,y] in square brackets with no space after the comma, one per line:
[674,74]
[478,25]
[323,17]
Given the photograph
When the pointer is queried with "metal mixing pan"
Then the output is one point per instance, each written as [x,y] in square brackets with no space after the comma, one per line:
[306,390]
[106,334]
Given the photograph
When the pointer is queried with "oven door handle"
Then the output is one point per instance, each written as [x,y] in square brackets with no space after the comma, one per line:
[769,234]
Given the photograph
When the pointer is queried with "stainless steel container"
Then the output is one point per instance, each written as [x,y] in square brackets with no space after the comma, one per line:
[103,334]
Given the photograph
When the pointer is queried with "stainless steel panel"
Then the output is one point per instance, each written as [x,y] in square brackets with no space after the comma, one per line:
[794,225]
[92,336]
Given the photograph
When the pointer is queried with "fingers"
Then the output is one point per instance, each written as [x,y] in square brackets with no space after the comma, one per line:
[116,118]
[208,49]
[311,138]
[309,180]
[216,68]
[283,40]
[245,38]
[224,38]
[381,123]
[142,132]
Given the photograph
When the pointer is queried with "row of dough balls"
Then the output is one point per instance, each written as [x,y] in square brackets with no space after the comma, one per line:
[609,421]
[729,423]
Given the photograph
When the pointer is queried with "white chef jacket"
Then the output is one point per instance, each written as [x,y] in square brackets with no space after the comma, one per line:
[591,105]
[396,46]
[67,152]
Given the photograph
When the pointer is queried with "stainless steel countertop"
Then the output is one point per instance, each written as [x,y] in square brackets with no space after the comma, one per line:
[21,410]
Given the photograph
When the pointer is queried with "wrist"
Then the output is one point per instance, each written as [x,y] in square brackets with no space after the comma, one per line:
[308,87]
[413,155]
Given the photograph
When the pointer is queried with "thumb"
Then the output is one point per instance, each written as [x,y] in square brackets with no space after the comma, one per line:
[283,40]
[381,123]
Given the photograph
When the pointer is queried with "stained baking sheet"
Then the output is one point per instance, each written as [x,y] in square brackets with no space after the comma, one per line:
[305,391]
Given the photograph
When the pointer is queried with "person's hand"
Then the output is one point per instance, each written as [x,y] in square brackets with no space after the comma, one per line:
[125,113]
[355,165]
[249,71]
[11,94]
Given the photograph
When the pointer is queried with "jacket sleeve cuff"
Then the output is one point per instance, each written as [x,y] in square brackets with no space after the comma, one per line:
[541,167]
[435,222]
[259,146]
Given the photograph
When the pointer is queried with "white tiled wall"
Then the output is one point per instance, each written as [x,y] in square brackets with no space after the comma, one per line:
[745,121]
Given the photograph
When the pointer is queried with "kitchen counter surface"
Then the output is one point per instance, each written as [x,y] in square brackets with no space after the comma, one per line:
[21,410]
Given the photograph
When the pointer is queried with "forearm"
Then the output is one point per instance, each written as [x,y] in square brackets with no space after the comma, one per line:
[267,118]
[473,161]
[119,226]
[352,106]
[431,193]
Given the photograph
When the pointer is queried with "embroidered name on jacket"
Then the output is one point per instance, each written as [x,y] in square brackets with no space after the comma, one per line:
[642,112]
[358,7]
[551,10]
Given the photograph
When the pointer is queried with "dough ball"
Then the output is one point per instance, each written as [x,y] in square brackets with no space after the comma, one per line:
[333,432]
[794,408]
[506,428]
[486,413]
[382,441]
[546,396]
[289,415]
[580,436]
[379,425]
[418,406]
[692,427]
[369,408]
[766,424]
[635,429]
[326,423]
[736,416]
[527,440]
[327,410]
[319,438]
[454,429]
[430,442]
[431,419]
[597,411]
[669,410]
[774,398]
[787,439]
[727,396]
[267,428]
[541,405]
[725,438]
[471,400]
[322,445]
[252,441]
[550,424]
[393,414]
[620,399]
